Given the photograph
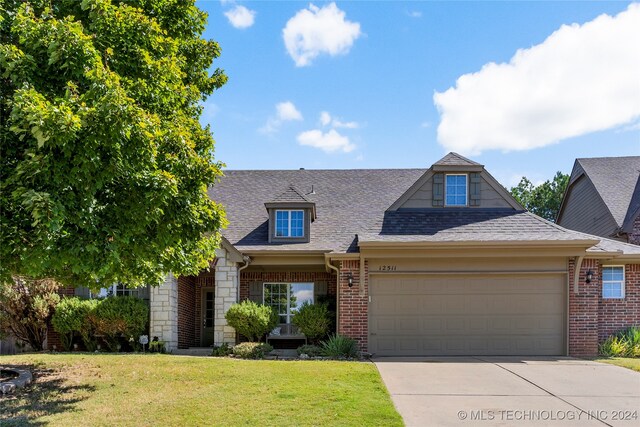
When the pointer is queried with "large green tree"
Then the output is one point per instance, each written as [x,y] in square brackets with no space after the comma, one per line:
[104,165]
[543,200]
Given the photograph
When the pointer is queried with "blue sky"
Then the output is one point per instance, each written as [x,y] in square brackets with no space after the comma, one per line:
[375,84]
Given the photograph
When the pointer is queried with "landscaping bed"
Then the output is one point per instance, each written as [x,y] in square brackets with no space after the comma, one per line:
[136,389]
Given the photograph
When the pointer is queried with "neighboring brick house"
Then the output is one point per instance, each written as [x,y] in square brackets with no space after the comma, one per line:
[603,198]
[438,261]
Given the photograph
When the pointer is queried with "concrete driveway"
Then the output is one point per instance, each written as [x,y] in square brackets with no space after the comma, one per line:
[508,391]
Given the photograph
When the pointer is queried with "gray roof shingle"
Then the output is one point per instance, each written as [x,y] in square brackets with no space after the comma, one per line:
[615,179]
[455,159]
[469,225]
[291,195]
[347,203]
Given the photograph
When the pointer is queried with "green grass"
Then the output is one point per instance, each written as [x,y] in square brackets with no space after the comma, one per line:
[625,362]
[88,389]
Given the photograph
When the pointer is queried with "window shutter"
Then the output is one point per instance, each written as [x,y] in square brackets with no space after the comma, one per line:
[82,292]
[255,292]
[319,289]
[438,189]
[474,189]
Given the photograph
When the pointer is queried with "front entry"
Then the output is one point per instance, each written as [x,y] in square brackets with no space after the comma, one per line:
[208,313]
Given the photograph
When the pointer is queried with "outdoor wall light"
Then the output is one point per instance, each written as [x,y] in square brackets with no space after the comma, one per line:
[350,279]
[589,276]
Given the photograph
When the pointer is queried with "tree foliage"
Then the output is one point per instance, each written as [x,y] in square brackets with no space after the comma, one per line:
[25,308]
[251,320]
[104,165]
[543,200]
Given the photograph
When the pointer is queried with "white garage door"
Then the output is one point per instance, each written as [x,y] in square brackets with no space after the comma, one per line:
[421,315]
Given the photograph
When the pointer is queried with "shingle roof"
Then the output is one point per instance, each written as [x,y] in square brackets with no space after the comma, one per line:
[472,225]
[290,195]
[615,179]
[455,159]
[347,203]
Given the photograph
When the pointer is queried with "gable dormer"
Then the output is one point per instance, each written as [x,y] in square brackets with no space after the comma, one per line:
[456,182]
[290,216]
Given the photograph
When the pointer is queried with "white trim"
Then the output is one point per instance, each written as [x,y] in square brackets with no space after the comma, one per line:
[275,228]
[289,314]
[623,285]
[466,187]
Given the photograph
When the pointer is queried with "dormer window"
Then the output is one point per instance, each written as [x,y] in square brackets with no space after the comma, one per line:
[456,190]
[289,223]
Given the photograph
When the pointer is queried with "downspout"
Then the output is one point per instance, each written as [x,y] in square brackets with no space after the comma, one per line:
[328,264]
[247,261]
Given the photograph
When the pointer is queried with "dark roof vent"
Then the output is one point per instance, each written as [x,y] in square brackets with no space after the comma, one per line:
[301,169]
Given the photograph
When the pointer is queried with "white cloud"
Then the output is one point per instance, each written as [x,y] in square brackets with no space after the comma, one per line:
[326,119]
[241,17]
[314,31]
[285,111]
[329,142]
[581,79]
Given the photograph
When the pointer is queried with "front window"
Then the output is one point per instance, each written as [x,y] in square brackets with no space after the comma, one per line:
[613,282]
[287,298]
[456,190]
[289,223]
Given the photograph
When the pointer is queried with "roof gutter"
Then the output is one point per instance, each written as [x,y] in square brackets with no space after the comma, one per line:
[586,243]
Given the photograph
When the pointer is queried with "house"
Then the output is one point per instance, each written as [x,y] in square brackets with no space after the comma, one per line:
[438,261]
[603,198]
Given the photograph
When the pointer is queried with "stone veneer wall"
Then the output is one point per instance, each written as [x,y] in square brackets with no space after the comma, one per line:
[226,294]
[163,304]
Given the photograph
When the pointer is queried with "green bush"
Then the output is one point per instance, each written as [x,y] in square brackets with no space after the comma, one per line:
[222,351]
[251,320]
[339,346]
[118,317]
[625,343]
[157,347]
[251,350]
[69,319]
[313,320]
[309,350]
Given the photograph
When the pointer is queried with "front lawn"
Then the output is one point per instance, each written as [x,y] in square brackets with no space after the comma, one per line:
[625,362]
[87,389]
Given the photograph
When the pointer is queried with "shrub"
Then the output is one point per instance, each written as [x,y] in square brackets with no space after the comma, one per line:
[625,343]
[118,317]
[25,308]
[157,347]
[68,320]
[313,320]
[251,320]
[251,350]
[339,346]
[222,351]
[309,350]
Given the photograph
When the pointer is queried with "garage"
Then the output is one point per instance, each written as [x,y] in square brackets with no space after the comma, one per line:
[467,314]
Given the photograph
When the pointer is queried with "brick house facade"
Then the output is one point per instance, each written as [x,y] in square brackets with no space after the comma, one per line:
[409,275]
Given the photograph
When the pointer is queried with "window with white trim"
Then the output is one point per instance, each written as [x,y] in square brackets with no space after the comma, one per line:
[287,298]
[289,223]
[456,190]
[613,282]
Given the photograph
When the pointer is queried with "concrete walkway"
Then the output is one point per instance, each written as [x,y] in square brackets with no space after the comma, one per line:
[508,391]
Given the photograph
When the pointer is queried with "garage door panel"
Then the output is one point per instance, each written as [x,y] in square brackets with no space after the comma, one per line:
[499,315]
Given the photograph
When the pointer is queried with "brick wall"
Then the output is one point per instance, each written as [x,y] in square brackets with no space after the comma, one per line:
[53,338]
[186,315]
[583,311]
[353,303]
[634,236]
[591,318]
[617,314]
[285,277]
